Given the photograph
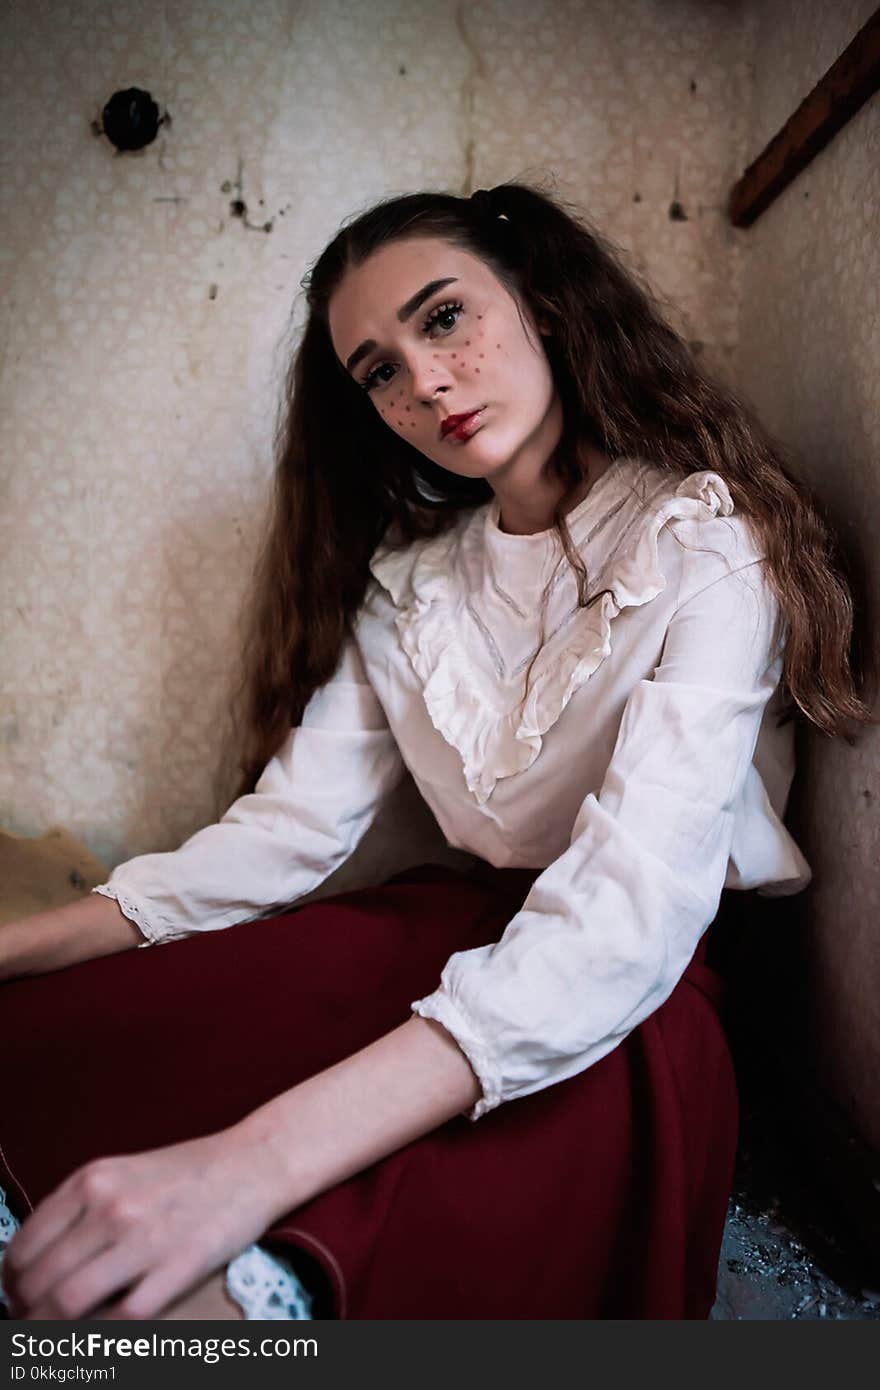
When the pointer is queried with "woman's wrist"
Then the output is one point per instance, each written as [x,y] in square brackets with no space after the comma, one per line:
[91,926]
[358,1111]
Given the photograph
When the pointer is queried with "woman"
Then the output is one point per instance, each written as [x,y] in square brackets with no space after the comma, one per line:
[524,548]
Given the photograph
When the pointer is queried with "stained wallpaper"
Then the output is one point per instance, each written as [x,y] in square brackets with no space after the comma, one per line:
[809,350]
[146,321]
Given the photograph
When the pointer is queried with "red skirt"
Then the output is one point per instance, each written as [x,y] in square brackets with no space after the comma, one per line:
[603,1196]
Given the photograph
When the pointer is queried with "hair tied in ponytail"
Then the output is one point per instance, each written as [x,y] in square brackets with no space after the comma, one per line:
[485,201]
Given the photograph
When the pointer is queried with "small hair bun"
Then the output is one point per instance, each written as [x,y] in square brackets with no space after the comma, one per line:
[486,205]
[483,202]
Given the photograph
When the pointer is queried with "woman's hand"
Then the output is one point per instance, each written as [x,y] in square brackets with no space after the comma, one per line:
[140,1229]
[145,1228]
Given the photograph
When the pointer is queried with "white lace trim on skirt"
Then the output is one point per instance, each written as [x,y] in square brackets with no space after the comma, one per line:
[263,1285]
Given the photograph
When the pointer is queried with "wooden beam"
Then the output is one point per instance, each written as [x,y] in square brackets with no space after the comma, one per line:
[836,97]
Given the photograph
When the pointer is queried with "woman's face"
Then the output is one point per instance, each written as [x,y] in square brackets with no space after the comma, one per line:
[448,360]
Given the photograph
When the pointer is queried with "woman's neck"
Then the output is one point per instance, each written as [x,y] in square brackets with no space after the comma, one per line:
[526,511]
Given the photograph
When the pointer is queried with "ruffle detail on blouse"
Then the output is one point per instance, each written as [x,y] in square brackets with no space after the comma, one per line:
[479,701]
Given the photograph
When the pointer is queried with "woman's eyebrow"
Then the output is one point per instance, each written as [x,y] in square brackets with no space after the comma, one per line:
[360,351]
[404,312]
[421,295]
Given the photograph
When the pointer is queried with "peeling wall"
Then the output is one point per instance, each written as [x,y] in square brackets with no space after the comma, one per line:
[809,353]
[144,324]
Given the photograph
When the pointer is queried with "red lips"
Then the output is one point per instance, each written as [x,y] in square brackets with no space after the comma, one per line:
[452,422]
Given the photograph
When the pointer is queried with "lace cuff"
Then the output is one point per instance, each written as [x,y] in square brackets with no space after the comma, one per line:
[8,1228]
[441,1008]
[153,933]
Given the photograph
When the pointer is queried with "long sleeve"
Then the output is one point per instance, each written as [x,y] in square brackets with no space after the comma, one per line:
[313,803]
[609,927]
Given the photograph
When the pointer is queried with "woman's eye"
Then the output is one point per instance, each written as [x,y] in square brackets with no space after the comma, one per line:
[439,322]
[379,376]
[443,318]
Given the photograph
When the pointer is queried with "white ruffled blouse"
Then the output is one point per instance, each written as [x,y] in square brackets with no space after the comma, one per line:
[630,749]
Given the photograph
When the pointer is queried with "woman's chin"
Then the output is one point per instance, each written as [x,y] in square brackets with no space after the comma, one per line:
[475,460]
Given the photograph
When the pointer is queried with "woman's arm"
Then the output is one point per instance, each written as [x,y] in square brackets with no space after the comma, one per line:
[155,1224]
[314,801]
[609,927]
[337,1123]
[91,926]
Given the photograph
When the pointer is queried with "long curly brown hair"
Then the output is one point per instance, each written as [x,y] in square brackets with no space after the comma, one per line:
[629,385]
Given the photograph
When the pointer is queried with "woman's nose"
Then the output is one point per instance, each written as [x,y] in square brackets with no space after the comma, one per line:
[430,378]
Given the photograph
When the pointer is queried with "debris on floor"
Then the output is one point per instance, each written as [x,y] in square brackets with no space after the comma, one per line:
[786,1252]
[766,1273]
